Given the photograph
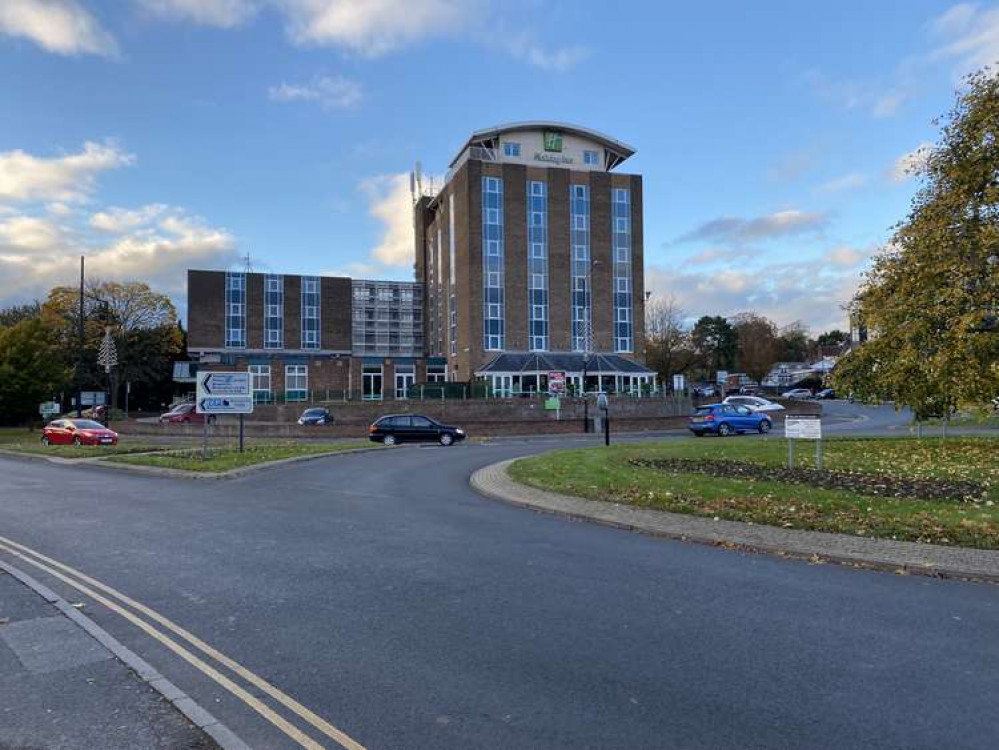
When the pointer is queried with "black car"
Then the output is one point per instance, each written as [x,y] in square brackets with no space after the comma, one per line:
[399,428]
[826,393]
[316,415]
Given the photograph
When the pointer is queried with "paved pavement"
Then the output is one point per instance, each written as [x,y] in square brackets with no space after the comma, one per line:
[403,610]
[60,688]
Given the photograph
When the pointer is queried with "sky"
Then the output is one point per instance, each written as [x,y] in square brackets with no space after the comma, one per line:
[774,138]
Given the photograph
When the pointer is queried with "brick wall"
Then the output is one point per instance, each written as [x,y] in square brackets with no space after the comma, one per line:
[205,309]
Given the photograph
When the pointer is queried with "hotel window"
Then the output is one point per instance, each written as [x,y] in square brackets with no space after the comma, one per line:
[436,372]
[260,384]
[621,242]
[493,294]
[591,157]
[579,239]
[537,266]
[296,383]
[452,298]
[310,312]
[273,312]
[511,149]
[235,310]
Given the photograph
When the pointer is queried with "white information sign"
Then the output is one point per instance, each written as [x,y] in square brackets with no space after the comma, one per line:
[721,376]
[48,408]
[803,428]
[224,393]
[679,383]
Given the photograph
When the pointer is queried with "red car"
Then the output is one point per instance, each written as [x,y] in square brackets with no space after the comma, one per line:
[185,414]
[78,432]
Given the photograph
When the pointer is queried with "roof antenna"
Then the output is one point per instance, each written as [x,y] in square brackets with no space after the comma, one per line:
[247,264]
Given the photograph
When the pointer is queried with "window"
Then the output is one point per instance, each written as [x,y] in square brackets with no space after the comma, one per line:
[591,157]
[273,312]
[260,383]
[371,377]
[296,383]
[437,372]
[537,265]
[235,306]
[494,311]
[621,243]
[452,299]
[511,149]
[579,209]
[310,312]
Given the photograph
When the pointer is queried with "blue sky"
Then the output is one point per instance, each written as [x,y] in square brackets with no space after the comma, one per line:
[157,135]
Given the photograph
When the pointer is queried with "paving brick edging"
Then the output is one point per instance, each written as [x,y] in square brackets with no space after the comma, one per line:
[202,719]
[883,554]
[103,463]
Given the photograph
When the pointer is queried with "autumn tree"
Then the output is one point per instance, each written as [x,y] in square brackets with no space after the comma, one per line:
[144,326]
[14,314]
[758,344]
[834,337]
[668,347]
[931,296]
[716,343]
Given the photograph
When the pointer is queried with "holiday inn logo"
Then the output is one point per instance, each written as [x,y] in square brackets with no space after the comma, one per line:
[553,140]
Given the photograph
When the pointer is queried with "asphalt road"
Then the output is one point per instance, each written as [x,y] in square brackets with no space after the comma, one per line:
[383,594]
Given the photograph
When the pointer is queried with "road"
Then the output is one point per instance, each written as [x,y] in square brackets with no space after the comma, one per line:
[408,612]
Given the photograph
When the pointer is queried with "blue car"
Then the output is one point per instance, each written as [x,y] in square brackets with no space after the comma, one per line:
[726,419]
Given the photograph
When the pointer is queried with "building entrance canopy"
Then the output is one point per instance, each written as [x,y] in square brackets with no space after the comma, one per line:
[525,373]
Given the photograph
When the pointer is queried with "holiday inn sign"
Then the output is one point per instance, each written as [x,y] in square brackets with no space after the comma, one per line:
[553,140]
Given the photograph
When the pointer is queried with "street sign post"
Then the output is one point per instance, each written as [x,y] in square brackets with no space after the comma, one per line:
[48,408]
[223,393]
[803,428]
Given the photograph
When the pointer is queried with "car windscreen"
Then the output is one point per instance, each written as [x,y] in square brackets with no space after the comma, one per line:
[314,412]
[87,424]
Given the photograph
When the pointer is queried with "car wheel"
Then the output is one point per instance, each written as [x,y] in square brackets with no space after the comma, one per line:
[389,440]
[446,438]
[45,440]
[724,430]
[77,441]
[765,426]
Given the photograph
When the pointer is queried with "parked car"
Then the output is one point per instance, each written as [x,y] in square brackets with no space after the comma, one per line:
[826,393]
[185,414]
[725,419]
[749,390]
[401,428]
[77,432]
[753,403]
[797,393]
[706,391]
[316,415]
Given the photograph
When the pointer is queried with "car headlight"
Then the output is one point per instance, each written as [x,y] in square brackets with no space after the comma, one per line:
[460,431]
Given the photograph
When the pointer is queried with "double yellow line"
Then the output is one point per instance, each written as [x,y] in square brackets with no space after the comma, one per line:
[117,602]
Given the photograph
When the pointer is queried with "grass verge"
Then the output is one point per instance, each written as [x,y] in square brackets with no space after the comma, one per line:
[225,459]
[611,474]
[78,451]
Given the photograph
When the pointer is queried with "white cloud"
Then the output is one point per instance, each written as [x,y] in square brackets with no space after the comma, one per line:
[119,220]
[908,163]
[330,92]
[848,181]
[61,26]
[24,177]
[737,229]
[372,27]
[969,35]
[845,256]
[524,46]
[223,14]
[878,98]
[391,204]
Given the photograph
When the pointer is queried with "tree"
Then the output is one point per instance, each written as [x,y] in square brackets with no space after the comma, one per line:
[716,343]
[792,344]
[14,314]
[31,369]
[834,337]
[930,298]
[143,323]
[758,344]
[667,339]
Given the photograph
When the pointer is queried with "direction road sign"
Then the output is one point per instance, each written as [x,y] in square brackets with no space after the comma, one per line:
[225,405]
[224,383]
[224,393]
[48,408]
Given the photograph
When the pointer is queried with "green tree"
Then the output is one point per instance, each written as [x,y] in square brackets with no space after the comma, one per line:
[834,337]
[792,344]
[16,313]
[32,369]
[930,299]
[716,343]
[758,344]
